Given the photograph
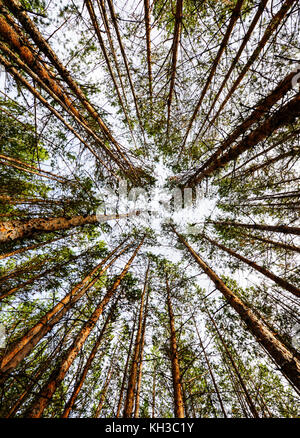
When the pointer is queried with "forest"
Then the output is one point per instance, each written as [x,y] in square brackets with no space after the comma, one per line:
[149,209]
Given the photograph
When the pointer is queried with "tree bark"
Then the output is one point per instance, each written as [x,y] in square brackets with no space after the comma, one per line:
[44,397]
[278,280]
[288,364]
[177,385]
[129,401]
[19,229]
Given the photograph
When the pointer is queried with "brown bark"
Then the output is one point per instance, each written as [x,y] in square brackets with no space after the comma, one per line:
[278,280]
[177,385]
[274,228]
[70,404]
[284,116]
[288,364]
[21,348]
[44,397]
[234,17]
[19,229]
[129,401]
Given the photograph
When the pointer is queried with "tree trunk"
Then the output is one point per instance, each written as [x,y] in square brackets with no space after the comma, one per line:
[70,404]
[288,364]
[20,349]
[280,281]
[177,388]
[139,378]
[19,229]
[210,370]
[129,401]
[44,397]
[238,374]
[125,369]
[275,228]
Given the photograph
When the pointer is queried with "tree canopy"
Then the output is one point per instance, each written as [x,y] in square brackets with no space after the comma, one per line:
[149,208]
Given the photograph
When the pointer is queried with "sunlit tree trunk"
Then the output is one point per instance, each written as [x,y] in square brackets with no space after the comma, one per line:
[286,360]
[177,385]
[132,381]
[44,397]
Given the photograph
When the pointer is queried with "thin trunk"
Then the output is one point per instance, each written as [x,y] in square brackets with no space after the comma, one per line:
[44,397]
[288,364]
[278,280]
[25,345]
[271,28]
[105,387]
[16,8]
[129,401]
[236,370]
[148,42]
[115,24]
[260,10]
[234,17]
[125,369]
[210,370]
[30,247]
[274,228]
[70,404]
[284,116]
[140,369]
[272,242]
[177,385]
[176,40]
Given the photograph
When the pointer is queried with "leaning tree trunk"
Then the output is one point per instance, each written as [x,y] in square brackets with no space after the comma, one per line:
[70,404]
[18,229]
[286,360]
[44,397]
[129,401]
[177,386]
[284,229]
[24,346]
[278,280]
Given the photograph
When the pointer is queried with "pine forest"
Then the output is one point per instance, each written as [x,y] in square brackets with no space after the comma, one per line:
[149,209]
